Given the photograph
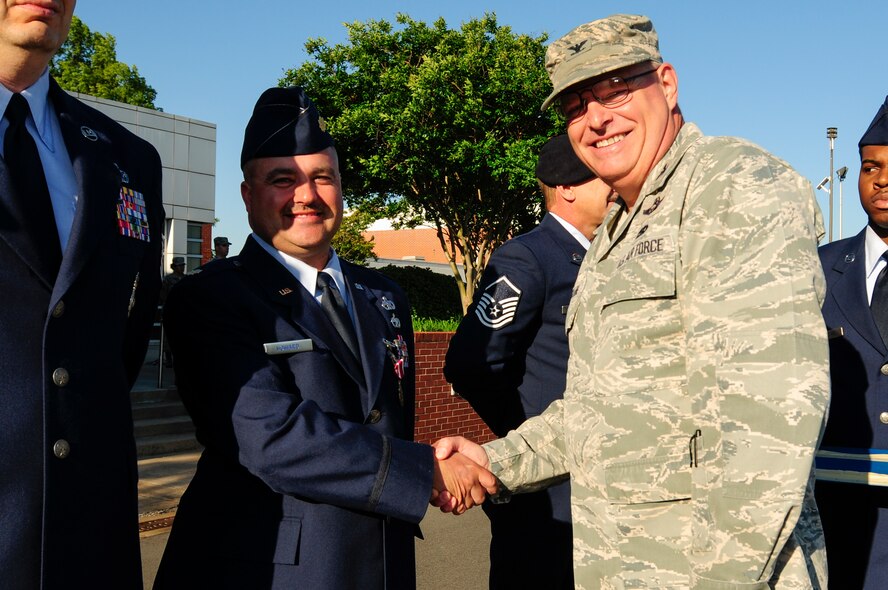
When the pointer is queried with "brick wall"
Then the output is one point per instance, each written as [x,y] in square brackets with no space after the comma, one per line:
[438,413]
[206,242]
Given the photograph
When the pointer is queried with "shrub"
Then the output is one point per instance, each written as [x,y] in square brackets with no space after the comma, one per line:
[435,325]
[432,296]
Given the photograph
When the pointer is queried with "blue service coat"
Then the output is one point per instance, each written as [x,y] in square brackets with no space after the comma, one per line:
[309,478]
[508,358]
[854,516]
[71,349]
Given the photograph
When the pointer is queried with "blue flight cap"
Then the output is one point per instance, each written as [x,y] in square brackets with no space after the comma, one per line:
[285,122]
[877,132]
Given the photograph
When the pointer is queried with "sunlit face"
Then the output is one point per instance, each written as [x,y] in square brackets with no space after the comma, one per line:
[593,199]
[873,183]
[35,25]
[295,203]
[623,143]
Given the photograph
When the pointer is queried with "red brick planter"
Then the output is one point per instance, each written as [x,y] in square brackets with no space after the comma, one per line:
[439,412]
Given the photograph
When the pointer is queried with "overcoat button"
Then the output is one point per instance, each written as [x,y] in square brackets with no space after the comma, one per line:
[59,310]
[883,417]
[60,377]
[374,417]
[884,369]
[61,449]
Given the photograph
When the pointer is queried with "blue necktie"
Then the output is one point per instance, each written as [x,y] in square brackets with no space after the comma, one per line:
[334,307]
[879,303]
[30,208]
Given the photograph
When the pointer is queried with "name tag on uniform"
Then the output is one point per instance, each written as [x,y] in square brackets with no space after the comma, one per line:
[288,346]
[835,333]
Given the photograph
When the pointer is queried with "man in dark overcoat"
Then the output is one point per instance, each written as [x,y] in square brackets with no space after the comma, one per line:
[851,485]
[81,222]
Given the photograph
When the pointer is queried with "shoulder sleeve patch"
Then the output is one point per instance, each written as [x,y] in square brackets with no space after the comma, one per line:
[497,306]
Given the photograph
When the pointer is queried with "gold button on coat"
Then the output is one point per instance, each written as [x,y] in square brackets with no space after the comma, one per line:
[374,417]
[884,369]
[60,377]
[61,448]
[883,417]
[59,310]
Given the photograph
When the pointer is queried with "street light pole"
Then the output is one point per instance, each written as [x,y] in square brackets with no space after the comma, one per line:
[841,173]
[831,134]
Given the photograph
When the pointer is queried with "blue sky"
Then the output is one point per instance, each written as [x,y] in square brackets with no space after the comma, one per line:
[777,73]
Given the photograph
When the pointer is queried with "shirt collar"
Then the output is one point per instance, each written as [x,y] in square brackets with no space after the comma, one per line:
[37,96]
[874,247]
[577,235]
[305,274]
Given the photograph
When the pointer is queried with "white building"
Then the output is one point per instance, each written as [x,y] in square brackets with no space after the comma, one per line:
[187,150]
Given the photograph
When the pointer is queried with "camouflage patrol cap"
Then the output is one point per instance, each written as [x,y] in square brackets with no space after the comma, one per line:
[599,47]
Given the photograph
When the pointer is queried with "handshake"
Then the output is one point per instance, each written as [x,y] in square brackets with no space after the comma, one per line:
[462,475]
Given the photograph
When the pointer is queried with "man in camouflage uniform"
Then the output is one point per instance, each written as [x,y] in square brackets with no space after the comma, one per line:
[698,374]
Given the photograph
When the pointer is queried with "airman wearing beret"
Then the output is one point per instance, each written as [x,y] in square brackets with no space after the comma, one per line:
[698,376]
[852,492]
[508,358]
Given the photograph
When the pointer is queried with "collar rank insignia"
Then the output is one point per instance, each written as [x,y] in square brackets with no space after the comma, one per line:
[497,306]
[387,304]
[132,219]
[654,206]
[89,133]
[396,323]
[285,291]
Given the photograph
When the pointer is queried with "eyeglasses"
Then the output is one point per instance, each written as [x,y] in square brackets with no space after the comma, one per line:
[609,92]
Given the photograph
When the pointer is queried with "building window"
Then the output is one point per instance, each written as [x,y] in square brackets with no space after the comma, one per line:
[195,245]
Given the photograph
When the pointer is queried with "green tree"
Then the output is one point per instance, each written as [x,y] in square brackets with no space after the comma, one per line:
[443,125]
[87,63]
[349,241]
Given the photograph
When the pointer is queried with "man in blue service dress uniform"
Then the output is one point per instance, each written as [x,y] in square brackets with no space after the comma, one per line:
[508,358]
[81,223]
[851,465]
[297,369]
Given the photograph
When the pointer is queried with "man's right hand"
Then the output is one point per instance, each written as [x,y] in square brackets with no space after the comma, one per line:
[462,476]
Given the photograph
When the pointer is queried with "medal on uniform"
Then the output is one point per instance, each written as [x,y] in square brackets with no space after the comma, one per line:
[397,351]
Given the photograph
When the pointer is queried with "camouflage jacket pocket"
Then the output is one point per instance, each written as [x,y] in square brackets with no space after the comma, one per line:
[653,479]
[645,269]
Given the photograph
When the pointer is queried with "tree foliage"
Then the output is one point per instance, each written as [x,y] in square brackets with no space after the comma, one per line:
[442,124]
[87,62]
[349,241]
